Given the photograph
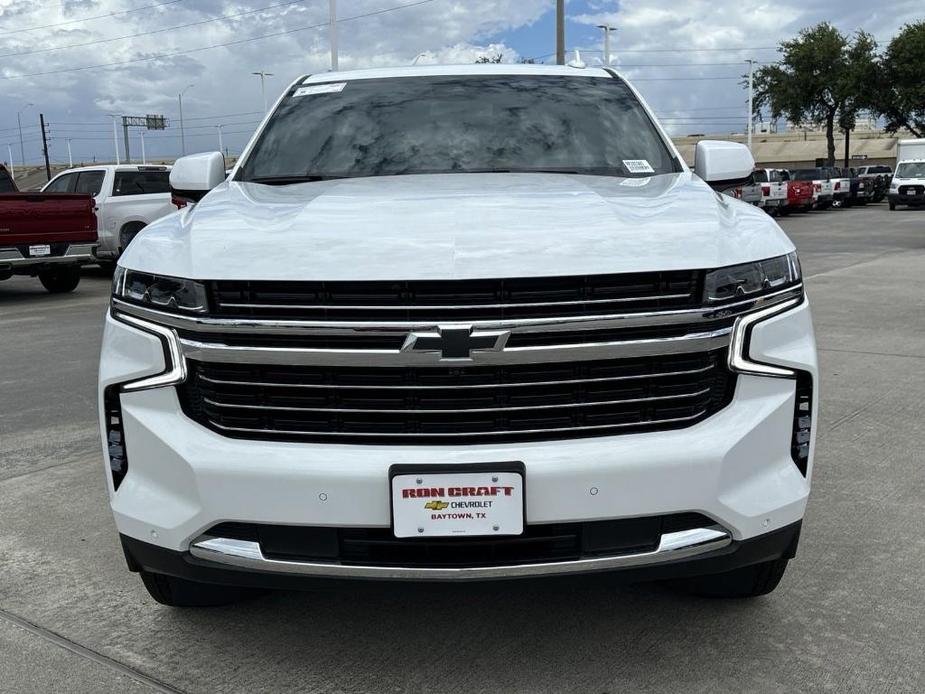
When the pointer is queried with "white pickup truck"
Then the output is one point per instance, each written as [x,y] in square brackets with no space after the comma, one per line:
[456,323]
[773,190]
[128,198]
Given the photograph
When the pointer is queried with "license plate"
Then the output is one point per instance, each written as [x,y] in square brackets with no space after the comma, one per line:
[457,504]
[38,251]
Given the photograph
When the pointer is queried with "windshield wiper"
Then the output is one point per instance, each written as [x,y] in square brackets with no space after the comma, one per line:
[289,180]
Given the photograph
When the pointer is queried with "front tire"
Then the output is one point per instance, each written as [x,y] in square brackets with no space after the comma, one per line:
[179,592]
[60,280]
[892,205]
[747,582]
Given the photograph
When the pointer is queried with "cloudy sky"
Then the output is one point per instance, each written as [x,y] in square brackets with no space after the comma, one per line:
[79,61]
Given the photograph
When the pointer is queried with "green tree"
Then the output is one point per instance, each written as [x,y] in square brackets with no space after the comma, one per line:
[823,78]
[901,93]
[497,58]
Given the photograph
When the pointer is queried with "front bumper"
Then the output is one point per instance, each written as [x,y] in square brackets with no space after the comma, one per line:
[735,468]
[905,199]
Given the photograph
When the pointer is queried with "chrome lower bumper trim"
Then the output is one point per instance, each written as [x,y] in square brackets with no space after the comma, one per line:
[76,253]
[244,554]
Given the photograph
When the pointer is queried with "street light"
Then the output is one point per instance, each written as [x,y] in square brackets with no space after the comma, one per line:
[182,131]
[22,149]
[263,89]
[221,145]
[607,29]
[9,150]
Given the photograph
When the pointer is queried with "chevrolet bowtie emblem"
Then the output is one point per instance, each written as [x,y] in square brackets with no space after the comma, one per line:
[436,505]
[456,342]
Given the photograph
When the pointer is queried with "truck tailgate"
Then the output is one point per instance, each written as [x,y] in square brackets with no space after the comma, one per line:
[27,218]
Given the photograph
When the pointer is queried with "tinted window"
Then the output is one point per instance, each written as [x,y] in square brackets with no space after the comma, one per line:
[6,182]
[458,124]
[62,184]
[89,182]
[761,176]
[879,169]
[141,182]
[809,174]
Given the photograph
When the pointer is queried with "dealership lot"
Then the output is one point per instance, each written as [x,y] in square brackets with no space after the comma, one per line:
[847,616]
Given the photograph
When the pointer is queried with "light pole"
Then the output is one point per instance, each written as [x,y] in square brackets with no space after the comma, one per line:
[263,88]
[144,158]
[751,85]
[221,145]
[22,149]
[9,150]
[182,131]
[333,32]
[70,159]
[607,29]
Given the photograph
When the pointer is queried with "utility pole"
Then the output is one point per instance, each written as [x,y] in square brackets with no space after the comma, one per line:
[128,156]
[115,139]
[22,149]
[221,145]
[560,32]
[182,131]
[333,32]
[607,29]
[751,90]
[144,158]
[9,150]
[263,88]
[45,146]
[70,159]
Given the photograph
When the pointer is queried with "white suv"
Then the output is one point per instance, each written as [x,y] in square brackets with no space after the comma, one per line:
[458,323]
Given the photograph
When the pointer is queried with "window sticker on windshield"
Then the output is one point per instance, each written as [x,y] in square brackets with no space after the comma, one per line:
[329,88]
[638,166]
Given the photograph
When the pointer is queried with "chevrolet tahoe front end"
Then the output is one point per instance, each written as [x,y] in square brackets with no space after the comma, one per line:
[500,361]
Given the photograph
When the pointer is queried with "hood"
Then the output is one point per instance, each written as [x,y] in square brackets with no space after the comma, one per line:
[456,226]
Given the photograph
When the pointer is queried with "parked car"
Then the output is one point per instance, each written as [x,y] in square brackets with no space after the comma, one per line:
[841,186]
[773,190]
[748,190]
[128,197]
[799,193]
[45,236]
[495,354]
[862,189]
[908,184]
[822,185]
[877,178]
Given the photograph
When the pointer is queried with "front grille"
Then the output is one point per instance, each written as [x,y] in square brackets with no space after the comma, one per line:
[458,300]
[444,405]
[912,190]
[539,543]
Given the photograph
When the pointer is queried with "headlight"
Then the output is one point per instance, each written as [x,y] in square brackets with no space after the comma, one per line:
[160,292]
[752,279]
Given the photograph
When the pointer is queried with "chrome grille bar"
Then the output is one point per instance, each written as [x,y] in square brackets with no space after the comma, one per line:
[464,410]
[466,386]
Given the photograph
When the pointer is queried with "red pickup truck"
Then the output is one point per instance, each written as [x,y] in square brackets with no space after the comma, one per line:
[45,235]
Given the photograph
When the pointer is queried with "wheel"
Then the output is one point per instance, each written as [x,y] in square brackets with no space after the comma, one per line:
[747,582]
[128,233]
[60,280]
[892,205]
[179,592]
[784,211]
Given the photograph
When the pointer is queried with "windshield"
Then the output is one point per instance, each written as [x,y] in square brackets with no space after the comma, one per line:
[458,124]
[911,169]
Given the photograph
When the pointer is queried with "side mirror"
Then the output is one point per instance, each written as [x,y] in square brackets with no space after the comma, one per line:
[194,176]
[717,161]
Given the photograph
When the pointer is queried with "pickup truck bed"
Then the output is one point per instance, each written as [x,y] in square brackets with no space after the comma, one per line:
[48,235]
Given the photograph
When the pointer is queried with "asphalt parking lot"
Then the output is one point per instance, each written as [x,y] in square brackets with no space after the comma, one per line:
[848,616]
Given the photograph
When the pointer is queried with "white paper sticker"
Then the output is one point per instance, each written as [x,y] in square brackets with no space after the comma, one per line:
[638,166]
[328,88]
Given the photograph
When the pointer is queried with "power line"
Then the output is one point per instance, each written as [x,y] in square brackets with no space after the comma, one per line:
[219,45]
[155,31]
[87,19]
